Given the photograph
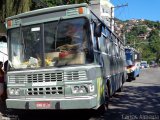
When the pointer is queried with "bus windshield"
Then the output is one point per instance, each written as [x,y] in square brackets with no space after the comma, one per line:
[56,43]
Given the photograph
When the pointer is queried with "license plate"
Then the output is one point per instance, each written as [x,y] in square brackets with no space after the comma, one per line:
[43,105]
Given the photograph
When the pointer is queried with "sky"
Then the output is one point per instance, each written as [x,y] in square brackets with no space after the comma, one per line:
[137,9]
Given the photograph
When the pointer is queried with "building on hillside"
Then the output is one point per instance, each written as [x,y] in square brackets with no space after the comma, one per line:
[107,13]
[105,10]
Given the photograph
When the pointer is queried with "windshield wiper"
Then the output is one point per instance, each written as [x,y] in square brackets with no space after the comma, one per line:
[55,35]
[23,43]
[3,53]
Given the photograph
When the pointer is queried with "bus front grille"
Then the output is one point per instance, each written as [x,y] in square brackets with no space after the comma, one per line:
[47,77]
[57,90]
[36,77]
[75,75]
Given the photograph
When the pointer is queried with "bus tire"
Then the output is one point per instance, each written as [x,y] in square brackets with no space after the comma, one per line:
[100,111]
[104,107]
[133,78]
[107,96]
[121,87]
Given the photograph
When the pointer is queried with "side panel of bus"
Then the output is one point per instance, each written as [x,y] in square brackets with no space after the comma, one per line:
[109,54]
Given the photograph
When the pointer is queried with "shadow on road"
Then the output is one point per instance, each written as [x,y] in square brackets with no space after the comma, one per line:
[56,115]
[135,101]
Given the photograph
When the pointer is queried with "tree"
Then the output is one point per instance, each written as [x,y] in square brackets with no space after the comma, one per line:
[63,2]
[154,43]
[12,7]
[146,52]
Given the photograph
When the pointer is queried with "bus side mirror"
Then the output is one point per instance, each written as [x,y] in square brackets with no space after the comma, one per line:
[98,29]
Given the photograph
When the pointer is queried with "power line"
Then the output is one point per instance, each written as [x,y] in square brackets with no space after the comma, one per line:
[118,6]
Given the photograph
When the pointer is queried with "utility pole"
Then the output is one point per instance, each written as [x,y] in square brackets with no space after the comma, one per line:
[118,6]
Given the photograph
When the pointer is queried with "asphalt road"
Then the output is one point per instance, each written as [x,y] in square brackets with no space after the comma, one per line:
[139,100]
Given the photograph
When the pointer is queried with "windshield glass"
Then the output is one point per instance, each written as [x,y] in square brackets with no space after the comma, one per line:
[67,43]
[25,47]
[58,43]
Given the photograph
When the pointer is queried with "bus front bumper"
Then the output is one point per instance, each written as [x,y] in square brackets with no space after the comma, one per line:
[43,103]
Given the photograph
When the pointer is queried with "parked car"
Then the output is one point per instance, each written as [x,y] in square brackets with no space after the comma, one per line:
[144,64]
[153,64]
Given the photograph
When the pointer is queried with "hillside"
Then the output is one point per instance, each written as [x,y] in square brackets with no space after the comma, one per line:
[144,35]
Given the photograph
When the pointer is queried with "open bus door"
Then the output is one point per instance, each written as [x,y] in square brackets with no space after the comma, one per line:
[3,48]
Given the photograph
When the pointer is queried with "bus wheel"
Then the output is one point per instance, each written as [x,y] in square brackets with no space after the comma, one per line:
[121,87]
[107,95]
[134,78]
[104,107]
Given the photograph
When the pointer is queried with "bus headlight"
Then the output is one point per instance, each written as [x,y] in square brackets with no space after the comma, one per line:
[78,89]
[17,91]
[87,88]
[14,91]
[11,91]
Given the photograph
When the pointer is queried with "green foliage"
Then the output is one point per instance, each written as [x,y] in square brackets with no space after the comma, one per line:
[63,2]
[154,43]
[51,3]
[138,30]
[149,48]
[152,24]
[146,53]
[2,28]
[12,7]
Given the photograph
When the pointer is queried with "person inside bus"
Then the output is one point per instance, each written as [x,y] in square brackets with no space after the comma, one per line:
[1,80]
[77,35]
[80,36]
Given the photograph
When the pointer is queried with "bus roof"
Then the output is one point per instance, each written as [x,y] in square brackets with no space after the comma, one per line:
[47,10]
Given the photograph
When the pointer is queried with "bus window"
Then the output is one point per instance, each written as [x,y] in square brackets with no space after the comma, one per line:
[117,50]
[31,36]
[102,41]
[113,48]
[16,47]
